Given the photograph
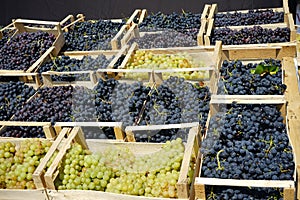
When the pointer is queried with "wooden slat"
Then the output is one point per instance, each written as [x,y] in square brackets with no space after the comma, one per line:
[29,21]
[205,12]
[18,194]
[182,187]
[135,13]
[213,10]
[19,123]
[123,50]
[40,60]
[160,127]
[130,33]
[114,42]
[49,179]
[245,99]
[37,176]
[298,181]
[245,183]
[143,15]
[208,32]
[202,30]
[49,132]
[285,6]
[130,52]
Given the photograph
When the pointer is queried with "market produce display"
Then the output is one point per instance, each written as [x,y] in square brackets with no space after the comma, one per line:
[251,17]
[91,35]
[143,59]
[13,95]
[118,170]
[251,35]
[264,78]
[247,142]
[24,49]
[19,162]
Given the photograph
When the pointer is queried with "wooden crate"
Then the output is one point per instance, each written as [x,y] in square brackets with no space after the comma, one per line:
[211,57]
[290,24]
[284,9]
[31,79]
[8,30]
[75,134]
[119,130]
[19,194]
[249,98]
[288,186]
[132,31]
[20,26]
[47,127]
[93,79]
[115,42]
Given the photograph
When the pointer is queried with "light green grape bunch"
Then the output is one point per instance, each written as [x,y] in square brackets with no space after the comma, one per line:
[119,170]
[18,164]
[146,60]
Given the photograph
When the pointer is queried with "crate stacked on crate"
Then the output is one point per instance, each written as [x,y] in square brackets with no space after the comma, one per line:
[170,96]
[260,27]
[159,30]
[102,166]
[249,108]
[34,44]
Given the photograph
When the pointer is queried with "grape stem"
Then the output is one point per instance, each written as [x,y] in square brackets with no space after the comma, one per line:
[218,160]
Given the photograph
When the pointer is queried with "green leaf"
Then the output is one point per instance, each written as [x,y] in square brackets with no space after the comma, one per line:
[259,69]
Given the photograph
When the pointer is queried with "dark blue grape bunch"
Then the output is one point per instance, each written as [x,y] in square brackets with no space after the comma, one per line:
[247,141]
[239,79]
[23,132]
[91,35]
[253,35]
[24,49]
[186,23]
[165,39]
[13,95]
[230,192]
[252,17]
[67,64]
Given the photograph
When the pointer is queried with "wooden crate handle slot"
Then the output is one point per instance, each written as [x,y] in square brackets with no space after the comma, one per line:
[135,13]
[38,175]
[205,12]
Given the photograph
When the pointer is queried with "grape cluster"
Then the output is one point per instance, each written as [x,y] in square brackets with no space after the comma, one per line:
[24,49]
[67,64]
[18,164]
[7,33]
[228,193]
[164,39]
[247,142]
[91,35]
[253,35]
[13,95]
[23,132]
[119,170]
[187,23]
[49,105]
[252,17]
[236,78]
[146,60]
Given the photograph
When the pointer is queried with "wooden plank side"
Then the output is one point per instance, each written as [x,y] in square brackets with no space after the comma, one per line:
[202,31]
[245,183]
[17,194]
[213,10]
[182,186]
[205,12]
[38,175]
